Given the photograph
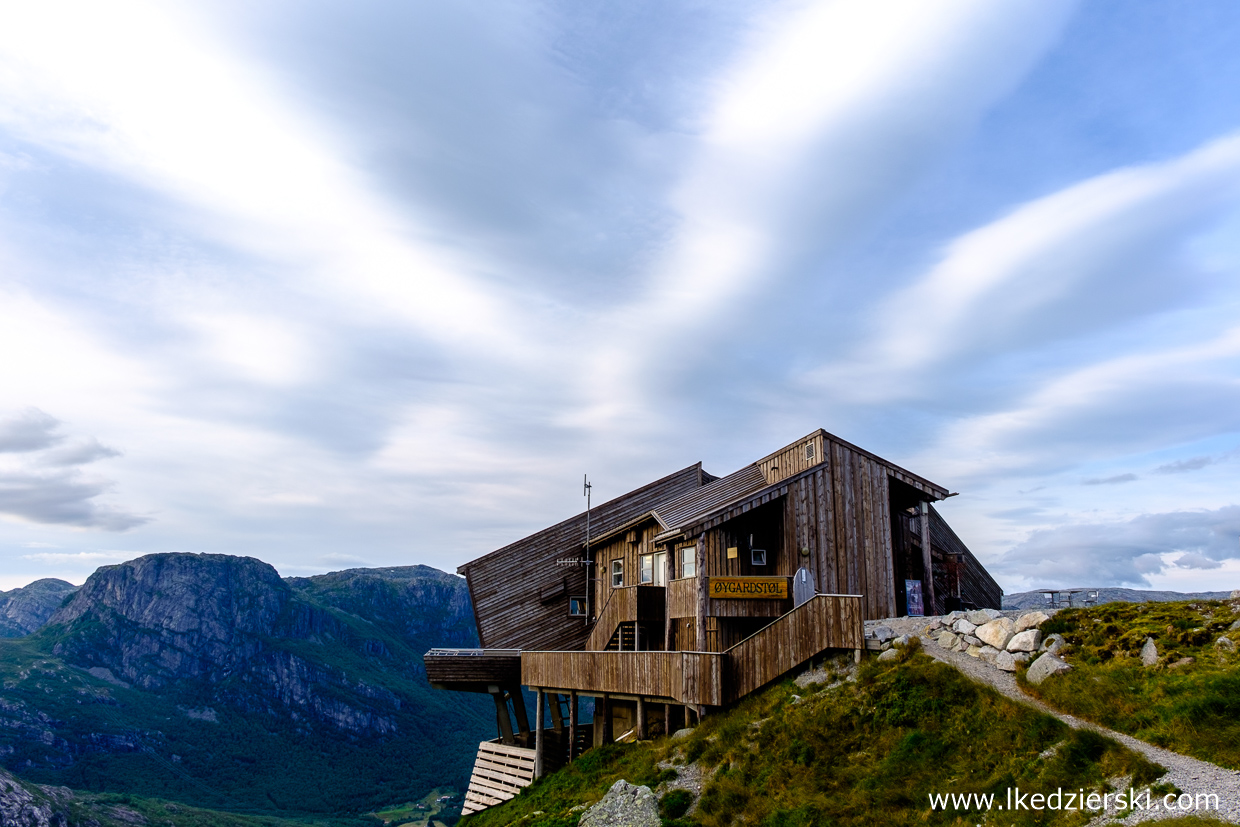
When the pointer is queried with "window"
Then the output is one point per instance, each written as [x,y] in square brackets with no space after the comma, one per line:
[617,573]
[577,606]
[688,561]
[758,556]
[653,568]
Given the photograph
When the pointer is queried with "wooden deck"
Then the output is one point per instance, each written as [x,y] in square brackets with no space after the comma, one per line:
[472,670]
[826,621]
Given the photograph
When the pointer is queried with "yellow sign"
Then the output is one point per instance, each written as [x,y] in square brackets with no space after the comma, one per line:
[762,588]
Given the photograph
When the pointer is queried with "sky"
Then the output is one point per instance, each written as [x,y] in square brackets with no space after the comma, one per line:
[376,283]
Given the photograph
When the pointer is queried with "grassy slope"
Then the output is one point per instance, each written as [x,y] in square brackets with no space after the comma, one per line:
[856,754]
[1192,709]
[247,761]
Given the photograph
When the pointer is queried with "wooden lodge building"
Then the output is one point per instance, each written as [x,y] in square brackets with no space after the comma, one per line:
[693,591]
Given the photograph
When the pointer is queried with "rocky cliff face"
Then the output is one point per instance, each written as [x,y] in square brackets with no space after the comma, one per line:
[230,628]
[25,610]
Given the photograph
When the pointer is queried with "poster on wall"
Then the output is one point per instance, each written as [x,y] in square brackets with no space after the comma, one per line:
[912,593]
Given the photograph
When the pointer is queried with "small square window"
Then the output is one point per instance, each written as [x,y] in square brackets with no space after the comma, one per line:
[617,573]
[577,606]
[758,556]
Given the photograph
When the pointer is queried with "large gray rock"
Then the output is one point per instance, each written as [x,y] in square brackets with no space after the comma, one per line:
[1226,644]
[883,633]
[25,610]
[1053,644]
[1044,667]
[1234,627]
[21,806]
[948,640]
[1030,620]
[1026,641]
[983,616]
[624,806]
[988,654]
[995,633]
[964,627]
[890,654]
[1149,653]
[1006,662]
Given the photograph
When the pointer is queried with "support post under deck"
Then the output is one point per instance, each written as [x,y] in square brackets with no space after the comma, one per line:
[538,735]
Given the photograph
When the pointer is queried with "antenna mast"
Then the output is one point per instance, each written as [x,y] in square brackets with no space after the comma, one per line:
[585,489]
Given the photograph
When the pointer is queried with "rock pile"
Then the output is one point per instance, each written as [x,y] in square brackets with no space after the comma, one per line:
[1000,640]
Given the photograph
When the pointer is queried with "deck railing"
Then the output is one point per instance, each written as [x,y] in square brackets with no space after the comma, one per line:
[674,677]
[826,621]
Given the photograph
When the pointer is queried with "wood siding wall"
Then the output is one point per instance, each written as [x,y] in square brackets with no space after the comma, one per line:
[507,586]
[792,460]
[977,587]
[627,550]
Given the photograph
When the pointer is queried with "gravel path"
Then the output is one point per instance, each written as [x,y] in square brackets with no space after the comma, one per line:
[1191,775]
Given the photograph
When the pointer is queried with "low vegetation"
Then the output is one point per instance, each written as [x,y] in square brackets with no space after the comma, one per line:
[863,752]
[1189,701]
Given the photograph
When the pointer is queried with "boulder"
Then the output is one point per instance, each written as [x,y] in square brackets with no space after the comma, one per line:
[1044,667]
[1021,657]
[952,617]
[963,645]
[971,640]
[1226,644]
[974,651]
[624,805]
[983,616]
[963,627]
[988,654]
[1149,653]
[1234,627]
[1006,662]
[890,654]
[1026,641]
[883,633]
[933,626]
[682,733]
[902,640]
[1182,662]
[948,640]
[1053,643]
[996,633]
[1030,620]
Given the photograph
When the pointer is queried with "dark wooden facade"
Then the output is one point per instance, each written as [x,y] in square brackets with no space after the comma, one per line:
[812,540]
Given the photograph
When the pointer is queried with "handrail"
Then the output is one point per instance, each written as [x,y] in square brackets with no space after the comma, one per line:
[825,621]
[615,611]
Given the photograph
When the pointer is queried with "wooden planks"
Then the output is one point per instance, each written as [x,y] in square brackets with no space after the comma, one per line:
[500,772]
[472,669]
[677,677]
[826,621]
[506,585]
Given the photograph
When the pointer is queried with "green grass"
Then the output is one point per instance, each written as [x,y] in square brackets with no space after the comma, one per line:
[1192,709]
[862,753]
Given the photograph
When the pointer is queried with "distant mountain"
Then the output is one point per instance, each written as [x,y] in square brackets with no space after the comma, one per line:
[209,679]
[24,610]
[1036,600]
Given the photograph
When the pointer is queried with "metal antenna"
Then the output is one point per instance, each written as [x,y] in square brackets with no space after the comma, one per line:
[585,489]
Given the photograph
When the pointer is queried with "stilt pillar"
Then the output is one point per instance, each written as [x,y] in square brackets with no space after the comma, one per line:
[538,735]
[572,726]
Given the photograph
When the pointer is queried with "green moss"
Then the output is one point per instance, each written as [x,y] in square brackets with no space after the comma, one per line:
[1193,709]
[865,753]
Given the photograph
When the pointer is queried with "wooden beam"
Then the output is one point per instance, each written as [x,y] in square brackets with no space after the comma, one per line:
[557,714]
[572,726]
[501,718]
[518,711]
[932,607]
[699,624]
[538,734]
[641,718]
[605,701]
